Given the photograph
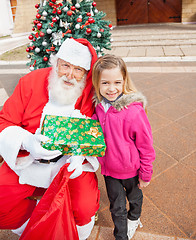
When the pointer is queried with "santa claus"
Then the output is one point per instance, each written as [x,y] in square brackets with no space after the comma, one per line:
[67,185]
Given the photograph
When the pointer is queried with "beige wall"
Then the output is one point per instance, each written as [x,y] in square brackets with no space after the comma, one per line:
[188,10]
[25,13]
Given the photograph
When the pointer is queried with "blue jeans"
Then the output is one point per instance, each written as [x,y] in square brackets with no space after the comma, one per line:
[118,190]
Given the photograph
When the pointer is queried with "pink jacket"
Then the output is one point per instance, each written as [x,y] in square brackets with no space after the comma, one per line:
[128,137]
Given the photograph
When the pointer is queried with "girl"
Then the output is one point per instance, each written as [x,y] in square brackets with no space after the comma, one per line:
[127,164]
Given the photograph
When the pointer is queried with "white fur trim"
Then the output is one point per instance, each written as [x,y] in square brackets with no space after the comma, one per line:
[85,230]
[75,53]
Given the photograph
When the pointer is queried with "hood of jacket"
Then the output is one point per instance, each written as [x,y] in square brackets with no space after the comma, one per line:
[125,100]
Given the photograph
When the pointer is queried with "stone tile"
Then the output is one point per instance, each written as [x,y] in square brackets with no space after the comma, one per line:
[106,234]
[154,52]
[190,162]
[172,109]
[153,97]
[8,235]
[188,121]
[189,97]
[9,82]
[149,236]
[94,233]
[176,141]
[137,52]
[172,193]
[156,121]
[120,51]
[189,51]
[172,51]
[162,163]
[3,96]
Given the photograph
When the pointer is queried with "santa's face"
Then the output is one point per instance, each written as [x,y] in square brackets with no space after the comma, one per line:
[66,82]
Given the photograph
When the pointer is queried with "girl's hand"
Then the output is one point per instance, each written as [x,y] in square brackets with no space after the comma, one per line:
[142,184]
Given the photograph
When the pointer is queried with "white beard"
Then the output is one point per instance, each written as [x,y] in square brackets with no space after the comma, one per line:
[64,94]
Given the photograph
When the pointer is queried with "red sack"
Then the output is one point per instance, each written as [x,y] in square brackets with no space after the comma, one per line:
[53,218]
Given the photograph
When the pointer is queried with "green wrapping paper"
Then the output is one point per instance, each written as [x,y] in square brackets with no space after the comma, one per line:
[74,136]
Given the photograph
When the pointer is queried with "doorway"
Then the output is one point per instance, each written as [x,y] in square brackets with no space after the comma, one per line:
[148,11]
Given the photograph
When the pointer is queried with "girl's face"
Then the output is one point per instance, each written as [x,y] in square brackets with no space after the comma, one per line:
[111,83]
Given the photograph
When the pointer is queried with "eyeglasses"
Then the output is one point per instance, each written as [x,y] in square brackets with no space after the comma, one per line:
[70,70]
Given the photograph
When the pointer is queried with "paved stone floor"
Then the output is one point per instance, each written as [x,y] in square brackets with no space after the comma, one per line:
[169,209]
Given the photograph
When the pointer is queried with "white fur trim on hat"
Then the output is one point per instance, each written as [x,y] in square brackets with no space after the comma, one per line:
[75,53]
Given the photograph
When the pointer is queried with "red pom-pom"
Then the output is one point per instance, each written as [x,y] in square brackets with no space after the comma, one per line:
[88,14]
[69,13]
[79,20]
[88,30]
[73,8]
[59,11]
[31,37]
[94,4]
[41,34]
[38,15]
[54,19]
[91,20]
[36,5]
[45,59]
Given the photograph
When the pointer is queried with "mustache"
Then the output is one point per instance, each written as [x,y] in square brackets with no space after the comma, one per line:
[72,81]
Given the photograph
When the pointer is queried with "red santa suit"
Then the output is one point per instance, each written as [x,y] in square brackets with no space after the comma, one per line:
[22,177]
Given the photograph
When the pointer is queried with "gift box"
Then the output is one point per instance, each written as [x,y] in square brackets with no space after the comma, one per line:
[74,136]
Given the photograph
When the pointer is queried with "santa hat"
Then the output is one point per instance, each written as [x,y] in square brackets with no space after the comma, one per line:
[75,53]
[83,46]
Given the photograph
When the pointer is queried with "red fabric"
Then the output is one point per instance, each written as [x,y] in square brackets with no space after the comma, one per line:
[84,102]
[53,217]
[15,209]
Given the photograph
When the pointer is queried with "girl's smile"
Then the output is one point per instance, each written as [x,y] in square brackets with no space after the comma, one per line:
[111,83]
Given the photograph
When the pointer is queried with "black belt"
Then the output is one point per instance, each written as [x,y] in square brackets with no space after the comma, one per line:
[49,161]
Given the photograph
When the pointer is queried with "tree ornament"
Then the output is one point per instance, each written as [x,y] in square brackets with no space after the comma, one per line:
[44,13]
[44,43]
[101,30]
[29,56]
[88,14]
[39,26]
[59,11]
[94,4]
[73,8]
[41,34]
[38,15]
[37,5]
[53,1]
[77,26]
[31,37]
[88,30]
[111,40]
[37,50]
[96,11]
[49,31]
[28,49]
[45,59]
[64,24]
[31,68]
[56,38]
[54,19]
[77,5]
[91,20]
[98,34]
[110,25]
[79,19]
[69,13]
[65,9]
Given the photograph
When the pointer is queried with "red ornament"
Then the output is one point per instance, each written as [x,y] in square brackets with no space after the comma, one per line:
[27,49]
[30,37]
[73,8]
[51,4]
[68,31]
[53,1]
[79,20]
[36,5]
[54,10]
[69,13]
[33,29]
[91,20]
[60,4]
[52,48]
[45,59]
[35,22]
[59,11]
[88,14]
[94,4]
[101,30]
[88,30]
[39,26]
[110,25]
[54,19]
[41,34]
[38,15]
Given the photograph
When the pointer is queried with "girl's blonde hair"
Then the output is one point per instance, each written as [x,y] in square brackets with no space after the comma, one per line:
[109,61]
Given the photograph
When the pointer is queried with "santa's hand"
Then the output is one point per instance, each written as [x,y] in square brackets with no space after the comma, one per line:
[76,166]
[32,143]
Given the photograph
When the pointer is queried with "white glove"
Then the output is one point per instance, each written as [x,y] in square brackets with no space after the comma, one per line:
[32,143]
[75,164]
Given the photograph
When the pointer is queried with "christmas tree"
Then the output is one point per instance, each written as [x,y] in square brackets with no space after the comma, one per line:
[57,20]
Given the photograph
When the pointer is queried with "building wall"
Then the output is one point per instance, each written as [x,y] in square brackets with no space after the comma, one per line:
[25,13]
[109,7]
[6,21]
[188,11]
